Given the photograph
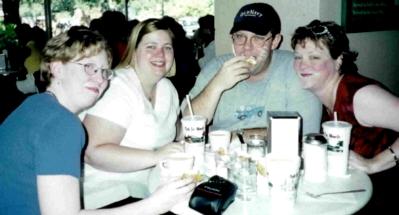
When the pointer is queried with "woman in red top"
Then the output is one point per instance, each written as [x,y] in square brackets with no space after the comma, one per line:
[325,66]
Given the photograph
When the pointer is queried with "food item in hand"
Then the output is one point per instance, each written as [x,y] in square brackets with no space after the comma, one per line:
[251,60]
[221,152]
[197,177]
[261,169]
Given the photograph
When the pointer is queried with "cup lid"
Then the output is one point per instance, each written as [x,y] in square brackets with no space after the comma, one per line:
[193,117]
[315,139]
[338,124]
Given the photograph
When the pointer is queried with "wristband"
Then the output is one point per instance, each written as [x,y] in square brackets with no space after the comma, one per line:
[394,155]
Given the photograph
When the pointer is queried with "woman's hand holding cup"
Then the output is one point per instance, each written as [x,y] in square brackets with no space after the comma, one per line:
[176,166]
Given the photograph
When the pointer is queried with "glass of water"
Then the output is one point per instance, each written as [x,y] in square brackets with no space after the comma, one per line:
[256,146]
[242,171]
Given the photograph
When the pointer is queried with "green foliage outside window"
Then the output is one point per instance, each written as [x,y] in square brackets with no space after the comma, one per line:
[7,35]
[63,5]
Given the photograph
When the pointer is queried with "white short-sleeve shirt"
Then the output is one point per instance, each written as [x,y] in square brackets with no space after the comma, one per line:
[147,127]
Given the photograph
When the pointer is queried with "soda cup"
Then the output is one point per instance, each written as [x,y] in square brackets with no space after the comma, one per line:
[338,135]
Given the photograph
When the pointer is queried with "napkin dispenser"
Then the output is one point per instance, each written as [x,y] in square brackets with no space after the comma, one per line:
[214,196]
[284,133]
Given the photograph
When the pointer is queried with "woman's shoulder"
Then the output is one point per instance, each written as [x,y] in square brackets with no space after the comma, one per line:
[168,89]
[124,73]
[354,82]
[124,77]
[167,86]
[165,82]
[125,86]
[44,105]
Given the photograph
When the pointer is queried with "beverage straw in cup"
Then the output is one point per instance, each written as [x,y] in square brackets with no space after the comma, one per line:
[189,105]
[335,118]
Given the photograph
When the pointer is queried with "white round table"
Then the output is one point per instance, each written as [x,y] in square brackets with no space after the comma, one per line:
[335,204]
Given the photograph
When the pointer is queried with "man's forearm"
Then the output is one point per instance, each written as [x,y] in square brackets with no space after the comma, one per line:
[205,103]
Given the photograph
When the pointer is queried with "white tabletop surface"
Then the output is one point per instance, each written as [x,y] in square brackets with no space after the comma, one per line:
[329,204]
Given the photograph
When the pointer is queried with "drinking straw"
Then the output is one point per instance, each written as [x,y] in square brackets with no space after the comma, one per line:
[335,117]
[189,105]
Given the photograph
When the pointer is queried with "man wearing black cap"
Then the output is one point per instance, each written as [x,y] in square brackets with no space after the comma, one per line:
[236,91]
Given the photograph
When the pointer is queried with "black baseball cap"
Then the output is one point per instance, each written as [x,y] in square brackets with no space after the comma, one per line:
[258,18]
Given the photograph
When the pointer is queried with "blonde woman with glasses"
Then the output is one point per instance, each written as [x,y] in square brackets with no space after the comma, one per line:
[42,140]
[133,126]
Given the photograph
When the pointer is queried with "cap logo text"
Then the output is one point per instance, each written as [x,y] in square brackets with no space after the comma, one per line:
[252,13]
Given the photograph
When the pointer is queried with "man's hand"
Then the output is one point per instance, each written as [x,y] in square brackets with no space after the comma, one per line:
[233,71]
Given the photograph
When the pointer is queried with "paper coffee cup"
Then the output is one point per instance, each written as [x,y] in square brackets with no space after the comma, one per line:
[176,165]
[283,176]
[198,151]
[219,140]
[338,135]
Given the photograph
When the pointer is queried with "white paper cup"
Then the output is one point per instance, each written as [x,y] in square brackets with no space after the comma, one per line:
[338,135]
[282,176]
[219,140]
[194,128]
[198,151]
[176,165]
[210,163]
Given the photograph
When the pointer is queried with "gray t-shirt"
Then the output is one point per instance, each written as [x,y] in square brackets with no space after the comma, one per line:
[247,103]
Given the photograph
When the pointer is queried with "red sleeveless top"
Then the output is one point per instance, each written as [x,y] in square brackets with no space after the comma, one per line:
[367,141]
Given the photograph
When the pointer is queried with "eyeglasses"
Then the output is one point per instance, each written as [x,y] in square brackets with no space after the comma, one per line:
[91,69]
[321,30]
[256,40]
